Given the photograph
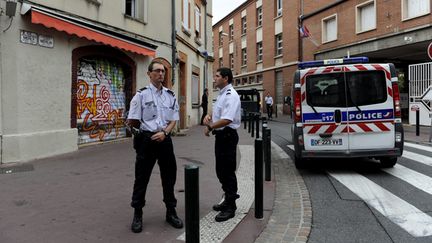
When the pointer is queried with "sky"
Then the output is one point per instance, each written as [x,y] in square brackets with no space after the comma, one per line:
[222,8]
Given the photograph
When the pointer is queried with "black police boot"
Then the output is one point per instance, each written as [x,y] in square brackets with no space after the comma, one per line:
[136,226]
[227,213]
[173,219]
[220,207]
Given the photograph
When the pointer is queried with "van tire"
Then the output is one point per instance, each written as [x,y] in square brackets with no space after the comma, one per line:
[299,162]
[388,162]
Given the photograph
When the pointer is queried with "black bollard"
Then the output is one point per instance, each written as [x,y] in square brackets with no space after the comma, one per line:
[252,125]
[192,204]
[268,155]
[249,122]
[259,184]
[245,121]
[418,122]
[257,120]
[263,128]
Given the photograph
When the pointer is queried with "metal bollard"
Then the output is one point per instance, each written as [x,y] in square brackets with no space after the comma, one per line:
[259,184]
[192,204]
[245,121]
[268,155]
[252,125]
[263,128]
[257,120]
[249,122]
[417,123]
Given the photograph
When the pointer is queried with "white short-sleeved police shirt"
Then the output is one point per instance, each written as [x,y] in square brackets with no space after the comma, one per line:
[154,108]
[269,100]
[227,106]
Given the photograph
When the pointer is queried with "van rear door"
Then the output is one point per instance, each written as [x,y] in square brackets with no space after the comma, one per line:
[324,109]
[370,106]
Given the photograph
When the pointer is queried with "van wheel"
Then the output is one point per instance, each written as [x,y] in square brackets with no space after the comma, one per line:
[388,162]
[299,162]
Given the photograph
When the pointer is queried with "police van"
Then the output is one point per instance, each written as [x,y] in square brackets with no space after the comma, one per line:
[345,108]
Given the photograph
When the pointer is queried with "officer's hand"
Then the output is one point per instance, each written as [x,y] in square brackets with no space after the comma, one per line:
[158,137]
[206,131]
[207,119]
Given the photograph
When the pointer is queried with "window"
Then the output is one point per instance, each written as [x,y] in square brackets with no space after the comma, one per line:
[244,25]
[279,87]
[197,21]
[366,17]
[244,81]
[237,81]
[414,8]
[220,62]
[195,89]
[244,57]
[259,16]
[331,90]
[231,32]
[220,38]
[185,14]
[259,54]
[251,79]
[136,9]
[329,26]
[259,78]
[278,45]
[231,56]
[278,8]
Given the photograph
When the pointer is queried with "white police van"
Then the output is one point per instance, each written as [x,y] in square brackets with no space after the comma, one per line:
[345,108]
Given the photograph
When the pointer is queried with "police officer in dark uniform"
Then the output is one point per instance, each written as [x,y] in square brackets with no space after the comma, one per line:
[224,123]
[152,116]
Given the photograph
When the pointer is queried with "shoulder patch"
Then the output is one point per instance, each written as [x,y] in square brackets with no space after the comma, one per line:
[142,89]
[170,92]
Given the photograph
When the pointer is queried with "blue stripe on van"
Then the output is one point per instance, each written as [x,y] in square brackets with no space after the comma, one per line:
[364,115]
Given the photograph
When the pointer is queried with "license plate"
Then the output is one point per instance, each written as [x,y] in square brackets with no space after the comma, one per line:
[330,142]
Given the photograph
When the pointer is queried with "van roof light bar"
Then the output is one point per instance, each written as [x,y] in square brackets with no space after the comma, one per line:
[329,62]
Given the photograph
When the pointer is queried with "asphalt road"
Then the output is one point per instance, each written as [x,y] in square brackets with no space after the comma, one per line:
[355,200]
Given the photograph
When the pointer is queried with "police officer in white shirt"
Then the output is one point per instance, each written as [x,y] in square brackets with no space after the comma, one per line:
[152,115]
[269,104]
[224,123]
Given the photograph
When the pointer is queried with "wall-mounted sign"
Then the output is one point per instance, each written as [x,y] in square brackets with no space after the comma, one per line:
[46,41]
[28,37]
[429,50]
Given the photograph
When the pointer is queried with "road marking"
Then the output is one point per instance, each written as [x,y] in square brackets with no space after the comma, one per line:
[400,212]
[418,146]
[290,146]
[413,177]
[212,231]
[417,157]
[279,151]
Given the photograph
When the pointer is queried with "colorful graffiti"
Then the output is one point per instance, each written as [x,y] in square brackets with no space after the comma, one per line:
[100,101]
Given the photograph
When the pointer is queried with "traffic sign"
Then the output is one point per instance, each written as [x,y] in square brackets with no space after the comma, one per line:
[415,108]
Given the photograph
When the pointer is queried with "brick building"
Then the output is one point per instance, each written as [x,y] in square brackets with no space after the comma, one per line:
[396,31]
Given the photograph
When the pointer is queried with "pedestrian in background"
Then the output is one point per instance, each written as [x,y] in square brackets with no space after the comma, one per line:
[223,123]
[204,105]
[153,114]
[269,106]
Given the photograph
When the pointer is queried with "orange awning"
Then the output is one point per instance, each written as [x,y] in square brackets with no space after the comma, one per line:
[51,21]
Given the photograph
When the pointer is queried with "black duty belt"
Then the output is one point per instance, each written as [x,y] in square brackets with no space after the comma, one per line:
[225,130]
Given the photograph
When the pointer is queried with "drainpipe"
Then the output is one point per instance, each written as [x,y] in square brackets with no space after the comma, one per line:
[205,47]
[173,42]
[1,108]
[300,39]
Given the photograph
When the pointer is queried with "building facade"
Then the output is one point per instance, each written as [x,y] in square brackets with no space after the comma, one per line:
[264,43]
[68,70]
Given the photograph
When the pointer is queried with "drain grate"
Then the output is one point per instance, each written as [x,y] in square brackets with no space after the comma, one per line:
[9,169]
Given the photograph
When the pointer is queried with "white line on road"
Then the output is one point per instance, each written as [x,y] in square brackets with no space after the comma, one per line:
[400,212]
[417,157]
[413,177]
[212,231]
[290,146]
[418,146]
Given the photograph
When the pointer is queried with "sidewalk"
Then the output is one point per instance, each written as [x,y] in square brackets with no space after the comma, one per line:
[84,196]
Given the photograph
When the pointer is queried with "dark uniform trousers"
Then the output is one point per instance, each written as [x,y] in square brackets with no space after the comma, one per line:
[226,153]
[148,152]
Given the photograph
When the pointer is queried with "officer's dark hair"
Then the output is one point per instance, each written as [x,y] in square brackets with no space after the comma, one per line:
[150,67]
[205,90]
[226,72]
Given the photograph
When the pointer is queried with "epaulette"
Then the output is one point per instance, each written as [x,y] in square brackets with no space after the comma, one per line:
[142,89]
[228,91]
[169,91]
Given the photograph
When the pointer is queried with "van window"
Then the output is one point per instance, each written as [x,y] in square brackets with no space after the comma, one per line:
[366,88]
[326,90]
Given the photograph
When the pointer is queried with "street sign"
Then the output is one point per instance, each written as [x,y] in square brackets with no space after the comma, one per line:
[415,108]
[429,50]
